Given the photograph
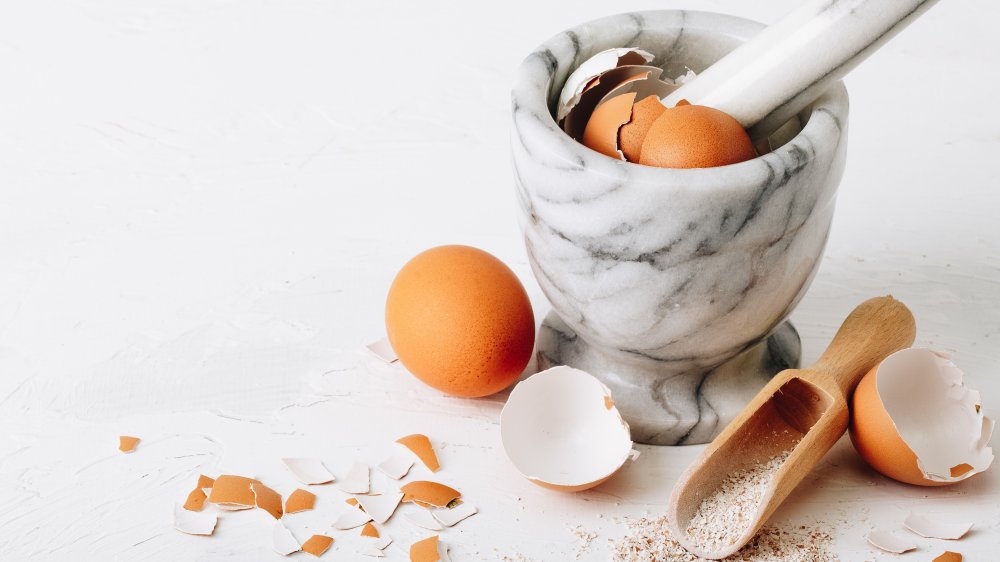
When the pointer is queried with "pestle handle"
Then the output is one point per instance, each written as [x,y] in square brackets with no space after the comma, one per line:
[874,330]
[784,68]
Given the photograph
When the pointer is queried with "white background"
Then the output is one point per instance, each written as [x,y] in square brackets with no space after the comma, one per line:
[202,204]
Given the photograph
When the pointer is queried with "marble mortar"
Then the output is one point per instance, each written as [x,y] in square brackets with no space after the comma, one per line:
[671,286]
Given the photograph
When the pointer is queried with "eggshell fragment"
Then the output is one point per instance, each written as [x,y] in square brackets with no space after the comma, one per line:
[584,75]
[267,499]
[949,556]
[309,471]
[380,507]
[559,432]
[450,516]
[421,446]
[631,134]
[695,136]
[300,500]
[396,466]
[369,530]
[317,545]
[889,542]
[913,420]
[233,492]
[429,493]
[383,350]
[205,482]
[194,522]
[601,132]
[935,529]
[425,520]
[576,121]
[358,479]
[425,550]
[195,500]
[127,443]
[351,518]
[282,540]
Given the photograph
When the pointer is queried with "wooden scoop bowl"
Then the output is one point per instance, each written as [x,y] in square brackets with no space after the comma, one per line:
[802,410]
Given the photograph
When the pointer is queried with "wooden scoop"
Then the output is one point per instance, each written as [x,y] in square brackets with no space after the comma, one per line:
[802,410]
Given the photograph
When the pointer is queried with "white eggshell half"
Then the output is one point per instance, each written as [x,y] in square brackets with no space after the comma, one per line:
[560,427]
[937,417]
[592,68]
[282,540]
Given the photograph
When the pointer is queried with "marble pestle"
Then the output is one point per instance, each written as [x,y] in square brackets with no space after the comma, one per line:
[783,69]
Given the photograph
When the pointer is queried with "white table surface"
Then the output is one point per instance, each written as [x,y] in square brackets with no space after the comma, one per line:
[202,205]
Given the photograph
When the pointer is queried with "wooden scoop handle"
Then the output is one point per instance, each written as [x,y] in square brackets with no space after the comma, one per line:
[875,329]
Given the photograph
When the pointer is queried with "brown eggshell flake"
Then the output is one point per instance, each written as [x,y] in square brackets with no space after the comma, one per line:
[631,134]
[695,136]
[301,500]
[429,493]
[601,132]
[369,530]
[949,556]
[425,550]
[233,492]
[317,545]
[127,443]
[205,481]
[267,499]
[421,446]
[195,500]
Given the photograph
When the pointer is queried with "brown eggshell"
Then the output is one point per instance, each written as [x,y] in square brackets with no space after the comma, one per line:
[631,134]
[601,133]
[876,438]
[695,136]
[460,321]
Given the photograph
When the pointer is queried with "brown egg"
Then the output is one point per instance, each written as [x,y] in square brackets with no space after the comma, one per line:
[631,134]
[695,136]
[460,321]
[601,133]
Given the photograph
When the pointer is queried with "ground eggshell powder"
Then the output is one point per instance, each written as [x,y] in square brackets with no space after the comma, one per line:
[729,512]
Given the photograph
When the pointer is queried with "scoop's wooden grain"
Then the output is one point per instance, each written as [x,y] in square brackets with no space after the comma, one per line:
[800,409]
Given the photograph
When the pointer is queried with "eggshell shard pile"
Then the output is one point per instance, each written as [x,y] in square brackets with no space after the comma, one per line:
[913,420]
[561,430]
[611,104]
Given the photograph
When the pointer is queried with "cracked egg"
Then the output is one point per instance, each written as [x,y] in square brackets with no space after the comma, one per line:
[913,420]
[561,430]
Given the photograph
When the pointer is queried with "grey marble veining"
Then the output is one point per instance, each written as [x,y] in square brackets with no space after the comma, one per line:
[664,283]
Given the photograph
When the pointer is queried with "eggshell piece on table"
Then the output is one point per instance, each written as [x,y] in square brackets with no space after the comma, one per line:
[282,540]
[429,493]
[695,136]
[357,480]
[601,133]
[889,542]
[267,499]
[631,134]
[309,471]
[317,545]
[421,446]
[559,432]
[369,530]
[949,556]
[932,529]
[450,516]
[584,75]
[380,507]
[913,420]
[194,522]
[127,443]
[460,321]
[195,500]
[425,550]
[351,518]
[383,351]
[233,492]
[425,520]
[204,482]
[396,466]
[300,500]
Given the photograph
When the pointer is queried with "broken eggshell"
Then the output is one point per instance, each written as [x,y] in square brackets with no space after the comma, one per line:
[561,430]
[592,68]
[913,420]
